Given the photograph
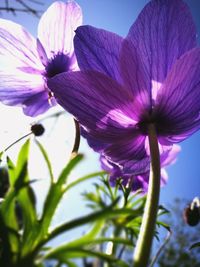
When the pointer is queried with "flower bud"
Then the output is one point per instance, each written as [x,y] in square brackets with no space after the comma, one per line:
[192,213]
[37,129]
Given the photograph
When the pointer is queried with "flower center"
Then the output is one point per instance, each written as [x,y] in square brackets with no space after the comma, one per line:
[58,64]
[160,121]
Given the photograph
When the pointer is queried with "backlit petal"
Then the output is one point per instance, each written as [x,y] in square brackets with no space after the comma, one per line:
[170,156]
[129,152]
[95,99]
[177,110]
[99,50]
[57,25]
[135,76]
[162,33]
[17,86]
[104,111]
[38,104]
[18,46]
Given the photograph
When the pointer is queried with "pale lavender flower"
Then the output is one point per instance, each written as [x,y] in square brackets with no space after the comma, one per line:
[27,63]
[151,76]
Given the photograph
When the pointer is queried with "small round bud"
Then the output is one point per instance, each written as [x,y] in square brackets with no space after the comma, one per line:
[192,213]
[37,129]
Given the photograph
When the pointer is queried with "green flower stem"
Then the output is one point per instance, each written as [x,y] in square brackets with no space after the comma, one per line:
[144,243]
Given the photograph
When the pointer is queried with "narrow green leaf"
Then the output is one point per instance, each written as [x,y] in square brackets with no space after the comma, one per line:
[164,225]
[1,154]
[195,245]
[8,210]
[46,158]
[88,242]
[9,240]
[11,172]
[21,197]
[83,253]
[26,194]
[108,212]
[84,178]
[70,263]
[66,171]
[55,193]
[21,166]
[84,240]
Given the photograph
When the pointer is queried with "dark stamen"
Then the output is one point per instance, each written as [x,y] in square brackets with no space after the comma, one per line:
[58,64]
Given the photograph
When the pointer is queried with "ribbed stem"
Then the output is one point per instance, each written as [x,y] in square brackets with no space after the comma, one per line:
[144,242]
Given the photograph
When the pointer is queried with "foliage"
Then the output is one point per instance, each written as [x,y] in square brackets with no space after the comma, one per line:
[24,235]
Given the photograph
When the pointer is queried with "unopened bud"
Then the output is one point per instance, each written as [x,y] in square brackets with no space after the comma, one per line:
[37,129]
[192,213]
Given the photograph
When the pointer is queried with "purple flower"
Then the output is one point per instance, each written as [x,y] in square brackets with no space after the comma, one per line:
[140,181]
[27,63]
[151,76]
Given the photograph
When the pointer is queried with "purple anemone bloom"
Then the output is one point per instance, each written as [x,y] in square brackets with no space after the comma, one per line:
[140,181]
[151,76]
[27,63]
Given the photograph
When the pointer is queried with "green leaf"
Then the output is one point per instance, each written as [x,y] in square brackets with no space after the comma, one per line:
[108,212]
[195,245]
[84,178]
[69,263]
[20,198]
[46,158]
[9,241]
[55,193]
[1,154]
[25,196]
[83,253]
[11,172]
[87,238]
[18,194]
[21,166]
[164,225]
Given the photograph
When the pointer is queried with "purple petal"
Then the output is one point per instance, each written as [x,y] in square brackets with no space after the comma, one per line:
[162,33]
[105,111]
[99,50]
[164,177]
[17,86]
[135,76]
[136,167]
[170,156]
[137,182]
[57,25]
[38,104]
[96,100]
[18,46]
[129,151]
[177,106]
[116,172]
[23,87]
[96,144]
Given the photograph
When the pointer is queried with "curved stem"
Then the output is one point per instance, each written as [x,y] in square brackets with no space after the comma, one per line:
[77,139]
[15,142]
[144,242]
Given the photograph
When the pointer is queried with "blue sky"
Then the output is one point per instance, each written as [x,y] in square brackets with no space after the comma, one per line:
[118,16]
